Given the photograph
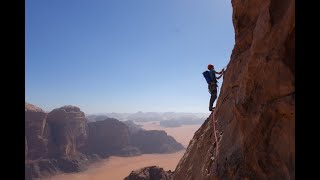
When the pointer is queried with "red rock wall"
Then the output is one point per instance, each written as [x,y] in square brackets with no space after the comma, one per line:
[107,137]
[36,138]
[256,107]
[68,131]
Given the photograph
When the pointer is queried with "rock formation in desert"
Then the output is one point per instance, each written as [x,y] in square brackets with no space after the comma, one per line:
[63,141]
[255,111]
[256,107]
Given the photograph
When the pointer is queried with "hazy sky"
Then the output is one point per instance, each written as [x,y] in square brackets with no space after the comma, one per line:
[125,55]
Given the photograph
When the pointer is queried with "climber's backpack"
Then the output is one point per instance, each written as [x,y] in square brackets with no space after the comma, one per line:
[206,75]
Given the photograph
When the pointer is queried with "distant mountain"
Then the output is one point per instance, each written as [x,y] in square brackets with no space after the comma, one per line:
[133,128]
[54,141]
[64,141]
[155,141]
[93,118]
[110,137]
[183,120]
[153,116]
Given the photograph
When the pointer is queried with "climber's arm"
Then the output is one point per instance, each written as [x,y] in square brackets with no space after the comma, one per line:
[219,76]
[220,72]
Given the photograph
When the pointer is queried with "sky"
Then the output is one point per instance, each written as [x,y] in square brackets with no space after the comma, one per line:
[125,55]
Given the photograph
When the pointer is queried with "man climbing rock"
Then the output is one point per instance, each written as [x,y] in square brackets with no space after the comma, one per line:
[212,83]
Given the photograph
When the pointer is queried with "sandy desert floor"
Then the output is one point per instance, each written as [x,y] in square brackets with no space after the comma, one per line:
[116,168]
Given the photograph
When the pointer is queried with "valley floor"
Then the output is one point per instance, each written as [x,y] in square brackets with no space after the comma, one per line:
[116,168]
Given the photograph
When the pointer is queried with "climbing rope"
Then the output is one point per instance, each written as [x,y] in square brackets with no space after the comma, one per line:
[215,134]
[214,125]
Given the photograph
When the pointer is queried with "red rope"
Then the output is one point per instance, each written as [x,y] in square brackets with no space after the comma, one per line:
[215,135]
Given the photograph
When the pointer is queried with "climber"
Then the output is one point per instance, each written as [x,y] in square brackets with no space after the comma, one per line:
[211,79]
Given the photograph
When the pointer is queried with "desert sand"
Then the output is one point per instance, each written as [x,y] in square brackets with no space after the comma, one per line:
[116,168]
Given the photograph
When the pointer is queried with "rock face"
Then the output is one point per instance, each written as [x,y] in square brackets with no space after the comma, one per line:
[256,107]
[133,128]
[150,173]
[110,137]
[63,141]
[94,118]
[113,137]
[155,141]
[54,141]
[36,136]
[68,131]
[40,168]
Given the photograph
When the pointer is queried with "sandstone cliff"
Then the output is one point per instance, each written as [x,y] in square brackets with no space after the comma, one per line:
[113,137]
[155,141]
[133,127]
[68,131]
[256,107]
[110,137]
[54,141]
[36,137]
[63,141]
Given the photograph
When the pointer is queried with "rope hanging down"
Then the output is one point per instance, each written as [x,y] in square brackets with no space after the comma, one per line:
[215,134]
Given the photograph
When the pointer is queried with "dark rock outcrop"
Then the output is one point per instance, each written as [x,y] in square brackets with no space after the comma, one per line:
[40,168]
[256,107]
[68,131]
[36,136]
[113,137]
[155,141]
[150,173]
[54,141]
[63,141]
[133,128]
[94,118]
[110,137]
